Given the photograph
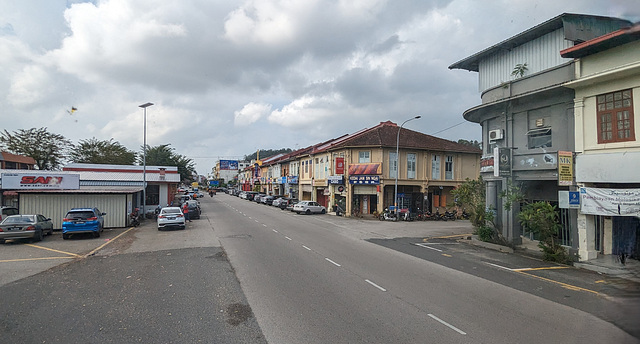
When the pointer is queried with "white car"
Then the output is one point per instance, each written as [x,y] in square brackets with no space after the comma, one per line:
[309,207]
[171,217]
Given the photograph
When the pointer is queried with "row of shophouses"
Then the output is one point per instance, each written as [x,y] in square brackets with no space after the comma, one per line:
[358,172]
[558,121]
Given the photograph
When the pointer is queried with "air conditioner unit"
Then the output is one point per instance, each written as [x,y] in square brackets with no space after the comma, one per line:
[496,134]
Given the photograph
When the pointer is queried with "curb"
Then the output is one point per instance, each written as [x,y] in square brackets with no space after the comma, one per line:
[477,242]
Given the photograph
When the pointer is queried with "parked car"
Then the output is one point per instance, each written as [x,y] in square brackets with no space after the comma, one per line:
[83,220]
[7,211]
[194,210]
[276,202]
[290,204]
[257,197]
[309,207]
[171,217]
[268,199]
[33,227]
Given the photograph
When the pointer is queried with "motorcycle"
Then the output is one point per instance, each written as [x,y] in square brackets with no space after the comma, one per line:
[387,216]
[134,218]
[451,215]
[465,215]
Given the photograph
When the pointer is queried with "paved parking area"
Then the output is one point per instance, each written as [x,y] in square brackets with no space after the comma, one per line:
[22,258]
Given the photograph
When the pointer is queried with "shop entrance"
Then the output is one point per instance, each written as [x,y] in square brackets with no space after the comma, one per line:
[626,236]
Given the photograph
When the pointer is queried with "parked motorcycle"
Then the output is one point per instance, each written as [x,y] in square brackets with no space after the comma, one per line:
[387,216]
[465,215]
[451,215]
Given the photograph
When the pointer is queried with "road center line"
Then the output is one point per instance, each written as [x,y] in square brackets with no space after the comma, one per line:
[332,262]
[375,285]
[446,324]
[308,249]
[275,231]
[286,237]
[264,225]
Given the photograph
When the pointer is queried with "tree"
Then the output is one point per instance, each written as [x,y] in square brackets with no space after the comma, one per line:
[163,155]
[94,151]
[47,149]
[541,218]
[473,143]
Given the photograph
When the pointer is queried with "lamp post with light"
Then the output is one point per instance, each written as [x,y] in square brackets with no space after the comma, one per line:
[395,194]
[144,160]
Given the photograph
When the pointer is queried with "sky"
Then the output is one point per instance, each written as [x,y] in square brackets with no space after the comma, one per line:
[230,77]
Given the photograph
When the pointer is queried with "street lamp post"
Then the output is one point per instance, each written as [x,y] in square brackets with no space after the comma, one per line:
[144,160]
[395,194]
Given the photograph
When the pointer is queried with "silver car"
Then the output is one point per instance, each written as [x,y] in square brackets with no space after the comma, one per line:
[171,217]
[32,227]
[309,207]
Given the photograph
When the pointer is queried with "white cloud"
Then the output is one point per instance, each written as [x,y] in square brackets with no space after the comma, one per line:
[250,113]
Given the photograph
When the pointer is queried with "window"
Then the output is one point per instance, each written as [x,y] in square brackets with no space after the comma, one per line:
[615,117]
[153,195]
[364,157]
[448,167]
[539,138]
[306,167]
[411,166]
[393,165]
[435,167]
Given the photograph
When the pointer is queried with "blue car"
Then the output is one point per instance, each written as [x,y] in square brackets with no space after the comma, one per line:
[83,220]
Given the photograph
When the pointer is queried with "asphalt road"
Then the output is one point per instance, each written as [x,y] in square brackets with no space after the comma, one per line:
[143,286]
[249,273]
[313,279]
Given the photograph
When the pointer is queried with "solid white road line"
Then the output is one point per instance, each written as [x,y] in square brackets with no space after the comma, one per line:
[447,324]
[425,246]
[375,285]
[499,266]
[332,262]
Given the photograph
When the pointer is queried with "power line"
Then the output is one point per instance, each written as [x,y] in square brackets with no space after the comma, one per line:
[453,126]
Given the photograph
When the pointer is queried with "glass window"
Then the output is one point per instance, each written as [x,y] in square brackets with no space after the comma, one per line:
[153,195]
[411,166]
[615,117]
[448,167]
[435,167]
[539,138]
[364,157]
[393,165]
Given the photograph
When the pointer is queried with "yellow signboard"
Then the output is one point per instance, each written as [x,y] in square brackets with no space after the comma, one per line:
[565,168]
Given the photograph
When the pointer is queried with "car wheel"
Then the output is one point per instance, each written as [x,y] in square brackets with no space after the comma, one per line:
[1,241]
[39,236]
[96,234]
[65,236]
[51,231]
[323,211]
[297,212]
[308,212]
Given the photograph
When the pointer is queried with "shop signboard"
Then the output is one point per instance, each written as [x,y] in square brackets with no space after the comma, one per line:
[502,167]
[228,164]
[292,179]
[364,179]
[610,202]
[565,168]
[339,165]
[486,164]
[336,180]
[40,181]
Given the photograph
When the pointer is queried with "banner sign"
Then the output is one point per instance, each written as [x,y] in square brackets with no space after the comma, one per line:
[365,169]
[486,164]
[336,180]
[292,179]
[565,168]
[339,165]
[228,164]
[39,181]
[502,163]
[364,179]
[610,202]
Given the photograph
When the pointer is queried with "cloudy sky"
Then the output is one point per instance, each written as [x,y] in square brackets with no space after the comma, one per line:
[230,77]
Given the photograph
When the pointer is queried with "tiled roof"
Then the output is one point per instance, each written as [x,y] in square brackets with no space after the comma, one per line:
[385,135]
[6,156]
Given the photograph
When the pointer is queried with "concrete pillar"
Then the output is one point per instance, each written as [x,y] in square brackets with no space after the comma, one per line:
[586,237]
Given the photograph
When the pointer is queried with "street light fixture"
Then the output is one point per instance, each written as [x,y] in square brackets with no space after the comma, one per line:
[144,160]
[395,194]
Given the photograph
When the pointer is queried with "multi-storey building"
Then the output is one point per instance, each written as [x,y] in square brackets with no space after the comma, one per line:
[527,114]
[607,161]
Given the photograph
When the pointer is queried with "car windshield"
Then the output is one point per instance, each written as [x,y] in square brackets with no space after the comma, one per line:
[80,215]
[19,219]
[171,211]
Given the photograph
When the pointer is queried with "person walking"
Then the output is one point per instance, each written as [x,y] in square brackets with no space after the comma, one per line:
[185,211]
